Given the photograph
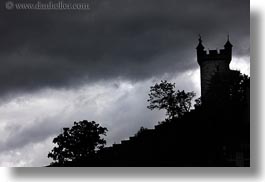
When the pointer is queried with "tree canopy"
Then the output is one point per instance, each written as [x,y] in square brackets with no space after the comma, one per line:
[229,89]
[164,96]
[78,142]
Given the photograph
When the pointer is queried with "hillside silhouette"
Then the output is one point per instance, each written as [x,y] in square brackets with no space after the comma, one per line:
[215,133]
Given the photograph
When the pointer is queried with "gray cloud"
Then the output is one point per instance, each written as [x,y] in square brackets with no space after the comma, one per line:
[120,106]
[123,38]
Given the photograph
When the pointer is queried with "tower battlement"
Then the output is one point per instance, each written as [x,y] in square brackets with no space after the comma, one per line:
[222,54]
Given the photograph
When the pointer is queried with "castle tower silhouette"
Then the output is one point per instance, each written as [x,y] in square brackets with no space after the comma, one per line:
[212,62]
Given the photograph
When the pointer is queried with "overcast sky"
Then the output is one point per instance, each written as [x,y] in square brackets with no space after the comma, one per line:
[58,67]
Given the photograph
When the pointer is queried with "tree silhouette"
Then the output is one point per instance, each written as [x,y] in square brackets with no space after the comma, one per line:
[78,142]
[163,96]
[229,89]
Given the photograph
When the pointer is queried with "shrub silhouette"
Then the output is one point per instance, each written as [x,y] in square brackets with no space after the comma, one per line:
[78,142]
[198,103]
[141,130]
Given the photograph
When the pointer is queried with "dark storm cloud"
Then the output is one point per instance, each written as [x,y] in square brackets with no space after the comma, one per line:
[122,38]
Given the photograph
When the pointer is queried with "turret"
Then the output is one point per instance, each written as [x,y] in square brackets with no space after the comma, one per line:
[200,50]
[228,47]
[200,47]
